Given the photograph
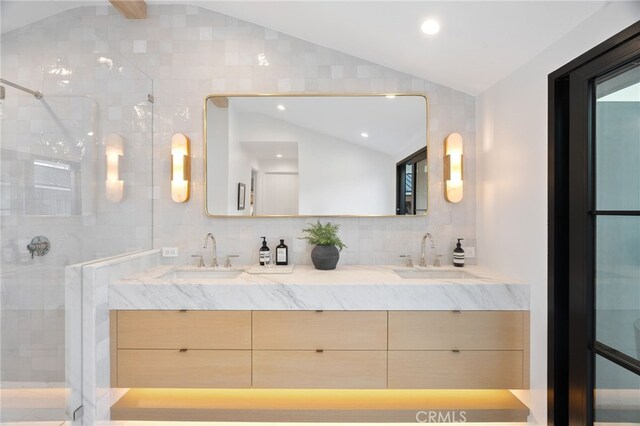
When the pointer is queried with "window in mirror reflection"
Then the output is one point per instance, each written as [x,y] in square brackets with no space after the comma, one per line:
[411,194]
[308,155]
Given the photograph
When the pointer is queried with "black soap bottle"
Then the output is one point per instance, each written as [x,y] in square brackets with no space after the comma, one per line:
[458,254]
[282,254]
[265,253]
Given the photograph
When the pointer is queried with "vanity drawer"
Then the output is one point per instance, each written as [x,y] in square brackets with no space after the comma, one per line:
[464,330]
[318,370]
[188,369]
[184,329]
[455,370]
[332,330]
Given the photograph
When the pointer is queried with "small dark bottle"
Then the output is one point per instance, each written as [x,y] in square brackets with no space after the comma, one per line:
[265,253]
[458,254]
[282,254]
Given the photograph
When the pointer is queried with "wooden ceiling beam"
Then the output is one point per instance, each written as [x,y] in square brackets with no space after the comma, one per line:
[220,101]
[131,9]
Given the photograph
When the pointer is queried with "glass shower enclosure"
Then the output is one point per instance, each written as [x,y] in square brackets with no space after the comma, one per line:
[75,186]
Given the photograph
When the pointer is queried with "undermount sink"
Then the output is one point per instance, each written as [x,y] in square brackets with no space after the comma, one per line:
[203,274]
[432,274]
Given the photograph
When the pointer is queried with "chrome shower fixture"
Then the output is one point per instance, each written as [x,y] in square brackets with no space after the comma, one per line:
[36,93]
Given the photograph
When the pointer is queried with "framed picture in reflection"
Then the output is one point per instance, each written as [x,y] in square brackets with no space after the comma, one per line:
[242,189]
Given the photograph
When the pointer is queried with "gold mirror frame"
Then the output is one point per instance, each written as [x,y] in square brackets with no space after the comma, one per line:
[310,95]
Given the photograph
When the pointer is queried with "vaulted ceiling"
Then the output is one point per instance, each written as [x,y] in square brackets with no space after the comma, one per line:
[480,42]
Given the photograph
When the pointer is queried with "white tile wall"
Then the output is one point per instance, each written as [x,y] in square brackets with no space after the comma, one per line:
[85,99]
[191,53]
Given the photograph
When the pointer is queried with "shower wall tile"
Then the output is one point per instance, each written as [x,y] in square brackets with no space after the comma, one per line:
[90,91]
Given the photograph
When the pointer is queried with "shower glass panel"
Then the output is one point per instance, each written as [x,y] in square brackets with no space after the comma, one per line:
[55,183]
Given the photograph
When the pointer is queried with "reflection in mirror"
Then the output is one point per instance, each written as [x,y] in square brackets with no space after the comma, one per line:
[315,155]
[412,184]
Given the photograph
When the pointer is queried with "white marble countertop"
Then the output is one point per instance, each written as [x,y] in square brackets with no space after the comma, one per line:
[346,288]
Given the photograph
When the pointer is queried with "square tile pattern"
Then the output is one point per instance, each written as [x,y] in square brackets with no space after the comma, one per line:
[96,69]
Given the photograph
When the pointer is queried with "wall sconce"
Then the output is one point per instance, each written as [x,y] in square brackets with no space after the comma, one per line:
[453,167]
[114,149]
[180,168]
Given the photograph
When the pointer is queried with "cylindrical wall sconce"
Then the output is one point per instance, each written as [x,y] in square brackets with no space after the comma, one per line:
[180,168]
[114,149]
[453,168]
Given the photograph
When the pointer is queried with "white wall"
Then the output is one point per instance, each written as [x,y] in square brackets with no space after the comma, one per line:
[277,197]
[335,176]
[512,174]
[344,178]
[239,167]
[218,164]
[278,166]
[279,194]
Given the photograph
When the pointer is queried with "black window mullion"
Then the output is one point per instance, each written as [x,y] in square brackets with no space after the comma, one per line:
[617,357]
[616,213]
[581,252]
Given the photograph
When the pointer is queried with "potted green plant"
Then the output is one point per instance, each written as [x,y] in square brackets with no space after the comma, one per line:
[326,253]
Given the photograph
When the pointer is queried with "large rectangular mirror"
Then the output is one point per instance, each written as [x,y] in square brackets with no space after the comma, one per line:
[316,155]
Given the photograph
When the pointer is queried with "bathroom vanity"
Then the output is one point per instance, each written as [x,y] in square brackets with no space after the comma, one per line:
[359,327]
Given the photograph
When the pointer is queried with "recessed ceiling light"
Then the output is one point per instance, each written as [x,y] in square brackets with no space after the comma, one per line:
[364,134]
[391,96]
[281,107]
[279,155]
[430,26]
[90,134]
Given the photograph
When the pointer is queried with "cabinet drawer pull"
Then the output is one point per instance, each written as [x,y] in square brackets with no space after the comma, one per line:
[457,311]
[182,310]
[455,351]
[319,351]
[183,350]
[319,311]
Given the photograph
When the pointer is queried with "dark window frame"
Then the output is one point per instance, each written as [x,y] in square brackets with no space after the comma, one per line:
[571,214]
[412,159]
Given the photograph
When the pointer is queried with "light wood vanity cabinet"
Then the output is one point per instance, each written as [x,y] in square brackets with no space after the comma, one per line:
[447,330]
[328,330]
[455,370]
[184,329]
[170,368]
[320,369]
[458,349]
[320,349]
[198,349]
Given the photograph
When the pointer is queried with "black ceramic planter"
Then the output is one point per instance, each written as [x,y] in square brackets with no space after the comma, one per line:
[325,257]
